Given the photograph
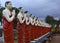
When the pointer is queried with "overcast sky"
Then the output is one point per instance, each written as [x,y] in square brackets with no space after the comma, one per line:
[39,8]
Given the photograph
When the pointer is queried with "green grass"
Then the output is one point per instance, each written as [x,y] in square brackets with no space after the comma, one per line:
[15,41]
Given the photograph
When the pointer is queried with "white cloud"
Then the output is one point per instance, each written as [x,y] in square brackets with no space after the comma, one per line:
[56,18]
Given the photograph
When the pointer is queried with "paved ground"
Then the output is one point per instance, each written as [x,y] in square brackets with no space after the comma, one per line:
[56,38]
[1,42]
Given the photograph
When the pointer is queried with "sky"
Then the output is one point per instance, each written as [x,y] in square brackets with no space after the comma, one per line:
[39,8]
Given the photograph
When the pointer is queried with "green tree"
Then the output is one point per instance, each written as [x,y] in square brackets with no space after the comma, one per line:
[49,20]
[1,9]
[16,10]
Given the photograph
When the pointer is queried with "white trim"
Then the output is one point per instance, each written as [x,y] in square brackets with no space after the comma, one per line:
[42,36]
[32,41]
[39,38]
